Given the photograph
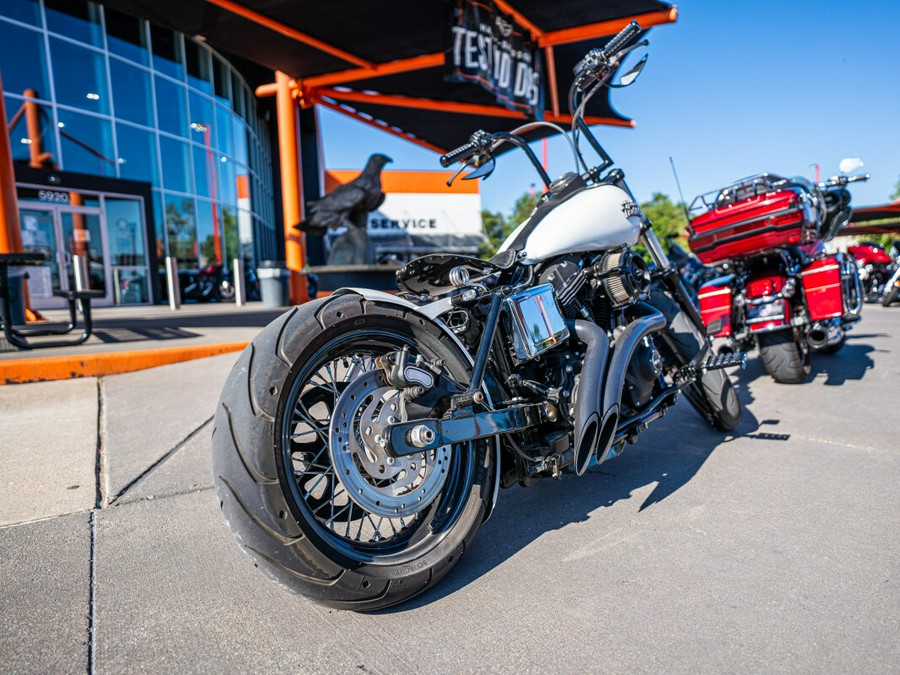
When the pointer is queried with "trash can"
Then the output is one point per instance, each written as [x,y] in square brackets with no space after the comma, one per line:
[274,283]
[17,276]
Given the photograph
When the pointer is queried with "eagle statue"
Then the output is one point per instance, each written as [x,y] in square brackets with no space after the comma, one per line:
[348,206]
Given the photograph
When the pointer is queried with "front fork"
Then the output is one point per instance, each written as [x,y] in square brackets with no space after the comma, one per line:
[670,276]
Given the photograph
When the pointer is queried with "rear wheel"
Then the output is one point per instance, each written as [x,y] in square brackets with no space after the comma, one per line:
[712,395]
[785,359]
[890,295]
[306,489]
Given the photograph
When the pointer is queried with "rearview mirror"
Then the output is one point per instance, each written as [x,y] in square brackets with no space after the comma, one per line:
[850,164]
[632,75]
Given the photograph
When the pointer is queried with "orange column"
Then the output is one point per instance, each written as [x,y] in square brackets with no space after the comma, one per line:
[10,230]
[291,190]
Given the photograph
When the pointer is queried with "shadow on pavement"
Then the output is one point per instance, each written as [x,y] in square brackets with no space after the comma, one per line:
[851,363]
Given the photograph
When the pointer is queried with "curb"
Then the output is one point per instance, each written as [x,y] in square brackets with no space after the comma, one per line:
[49,368]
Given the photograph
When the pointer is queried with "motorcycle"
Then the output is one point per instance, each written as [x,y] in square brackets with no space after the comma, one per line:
[785,295]
[211,282]
[875,268]
[362,439]
[891,288]
[693,272]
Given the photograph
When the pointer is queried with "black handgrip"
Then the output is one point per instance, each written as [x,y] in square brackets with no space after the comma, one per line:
[620,41]
[461,153]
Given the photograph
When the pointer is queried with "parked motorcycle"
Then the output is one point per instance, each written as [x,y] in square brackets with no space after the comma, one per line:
[361,439]
[785,294]
[875,268]
[209,283]
[892,288]
[693,272]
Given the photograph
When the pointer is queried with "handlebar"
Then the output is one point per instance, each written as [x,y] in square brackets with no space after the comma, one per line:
[844,180]
[597,61]
[478,143]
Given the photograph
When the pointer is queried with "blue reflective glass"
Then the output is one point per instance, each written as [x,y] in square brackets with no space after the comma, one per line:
[166,45]
[86,144]
[137,154]
[22,60]
[221,79]
[198,69]
[204,171]
[26,11]
[176,164]
[207,214]
[224,140]
[159,227]
[239,135]
[171,107]
[125,36]
[227,188]
[20,143]
[76,19]
[79,77]
[125,225]
[182,230]
[131,93]
[201,109]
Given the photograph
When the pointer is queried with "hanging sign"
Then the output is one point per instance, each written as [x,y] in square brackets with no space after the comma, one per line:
[487,47]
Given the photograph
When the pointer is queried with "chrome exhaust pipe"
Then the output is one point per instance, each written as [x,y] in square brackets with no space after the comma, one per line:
[601,383]
[824,334]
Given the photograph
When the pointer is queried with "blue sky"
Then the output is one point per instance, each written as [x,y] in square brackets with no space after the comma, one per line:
[732,88]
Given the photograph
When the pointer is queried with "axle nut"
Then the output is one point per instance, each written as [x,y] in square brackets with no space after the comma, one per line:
[421,436]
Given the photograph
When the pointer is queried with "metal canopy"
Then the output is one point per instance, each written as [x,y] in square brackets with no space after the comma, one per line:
[869,220]
[382,62]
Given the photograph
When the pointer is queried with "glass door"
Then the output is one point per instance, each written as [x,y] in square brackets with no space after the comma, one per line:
[82,235]
[40,235]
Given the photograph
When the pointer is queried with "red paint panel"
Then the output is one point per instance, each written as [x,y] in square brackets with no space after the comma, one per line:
[715,303]
[822,286]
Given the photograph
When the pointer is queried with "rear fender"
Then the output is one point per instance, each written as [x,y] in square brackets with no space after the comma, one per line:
[765,308]
[389,299]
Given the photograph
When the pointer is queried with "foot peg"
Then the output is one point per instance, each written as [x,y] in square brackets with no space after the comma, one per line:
[728,360]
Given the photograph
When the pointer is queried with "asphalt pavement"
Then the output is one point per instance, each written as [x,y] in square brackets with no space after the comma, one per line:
[776,549]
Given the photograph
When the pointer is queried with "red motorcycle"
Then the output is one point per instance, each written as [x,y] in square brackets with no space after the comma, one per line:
[785,294]
[875,268]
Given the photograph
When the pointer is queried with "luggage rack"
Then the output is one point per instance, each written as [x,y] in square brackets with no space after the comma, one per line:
[752,186]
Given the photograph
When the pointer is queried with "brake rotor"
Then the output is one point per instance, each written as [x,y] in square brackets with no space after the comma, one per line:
[385,486]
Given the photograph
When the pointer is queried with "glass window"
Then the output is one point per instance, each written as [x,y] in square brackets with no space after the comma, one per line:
[76,19]
[227,189]
[224,141]
[182,231]
[131,93]
[137,154]
[86,144]
[26,11]
[220,72]
[171,107]
[197,58]
[209,230]
[239,135]
[159,226]
[79,77]
[125,224]
[166,51]
[204,171]
[21,144]
[232,224]
[130,286]
[176,167]
[126,36]
[237,94]
[22,60]
[201,117]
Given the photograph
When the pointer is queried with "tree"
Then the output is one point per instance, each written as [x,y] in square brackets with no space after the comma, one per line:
[667,217]
[498,227]
[896,193]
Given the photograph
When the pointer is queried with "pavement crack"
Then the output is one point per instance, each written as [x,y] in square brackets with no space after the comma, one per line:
[150,469]
[102,477]
[92,615]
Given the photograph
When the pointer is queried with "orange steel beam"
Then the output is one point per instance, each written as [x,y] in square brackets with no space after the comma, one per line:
[551,79]
[399,133]
[379,70]
[291,190]
[288,31]
[10,230]
[604,28]
[454,106]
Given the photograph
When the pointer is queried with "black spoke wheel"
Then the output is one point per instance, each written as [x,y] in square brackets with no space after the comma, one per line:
[309,495]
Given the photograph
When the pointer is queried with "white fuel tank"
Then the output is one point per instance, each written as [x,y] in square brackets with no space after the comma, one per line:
[599,217]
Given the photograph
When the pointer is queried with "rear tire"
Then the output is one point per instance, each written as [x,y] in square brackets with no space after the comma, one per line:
[783,357]
[889,296]
[285,502]
[712,395]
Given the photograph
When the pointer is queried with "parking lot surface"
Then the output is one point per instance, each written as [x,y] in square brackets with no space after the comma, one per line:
[776,549]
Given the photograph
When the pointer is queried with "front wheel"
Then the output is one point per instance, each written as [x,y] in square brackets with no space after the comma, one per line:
[785,359]
[306,489]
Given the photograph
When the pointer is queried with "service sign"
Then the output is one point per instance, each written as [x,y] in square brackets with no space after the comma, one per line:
[488,48]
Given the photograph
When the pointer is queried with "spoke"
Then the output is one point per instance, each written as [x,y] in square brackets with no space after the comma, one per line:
[318,480]
[313,463]
[343,510]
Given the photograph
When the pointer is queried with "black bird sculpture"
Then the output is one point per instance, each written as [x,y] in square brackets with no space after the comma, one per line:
[347,205]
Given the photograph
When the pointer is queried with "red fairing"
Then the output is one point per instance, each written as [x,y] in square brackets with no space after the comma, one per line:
[868,254]
[715,303]
[822,286]
[752,225]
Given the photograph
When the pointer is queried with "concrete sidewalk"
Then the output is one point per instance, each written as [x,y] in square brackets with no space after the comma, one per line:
[774,550]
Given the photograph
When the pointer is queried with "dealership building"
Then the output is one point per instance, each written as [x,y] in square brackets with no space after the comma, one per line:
[141,129]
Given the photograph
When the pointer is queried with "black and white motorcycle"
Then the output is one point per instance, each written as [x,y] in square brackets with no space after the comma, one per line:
[361,439]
